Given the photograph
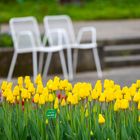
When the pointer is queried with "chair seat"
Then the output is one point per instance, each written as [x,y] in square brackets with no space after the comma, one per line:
[50,49]
[81,46]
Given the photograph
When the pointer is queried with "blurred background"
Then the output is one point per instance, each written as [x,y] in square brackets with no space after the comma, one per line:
[118,32]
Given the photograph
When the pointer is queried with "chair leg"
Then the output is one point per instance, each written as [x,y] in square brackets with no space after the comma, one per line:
[63,64]
[34,58]
[41,57]
[70,67]
[75,56]
[97,62]
[12,66]
[46,67]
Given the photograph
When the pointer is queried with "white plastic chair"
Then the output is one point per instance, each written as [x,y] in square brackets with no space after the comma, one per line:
[26,38]
[64,24]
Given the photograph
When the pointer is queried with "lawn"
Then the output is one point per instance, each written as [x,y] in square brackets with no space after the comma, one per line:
[88,10]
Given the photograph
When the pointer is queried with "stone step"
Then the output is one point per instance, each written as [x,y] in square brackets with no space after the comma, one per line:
[122,58]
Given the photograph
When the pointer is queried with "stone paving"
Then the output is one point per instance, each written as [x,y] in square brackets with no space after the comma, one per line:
[106,30]
[123,76]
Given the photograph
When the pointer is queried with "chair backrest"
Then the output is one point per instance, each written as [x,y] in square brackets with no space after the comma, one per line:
[20,29]
[52,23]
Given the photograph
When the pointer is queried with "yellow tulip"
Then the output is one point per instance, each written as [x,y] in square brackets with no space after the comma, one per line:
[9,85]
[125,90]
[94,95]
[51,98]
[102,98]
[139,118]
[63,103]
[91,133]
[41,100]
[36,98]
[20,81]
[4,85]
[139,105]
[127,96]
[101,119]
[56,105]
[24,94]
[16,91]
[38,79]
[86,113]
[31,88]
[124,104]
[47,121]
[138,83]
[117,105]
[136,97]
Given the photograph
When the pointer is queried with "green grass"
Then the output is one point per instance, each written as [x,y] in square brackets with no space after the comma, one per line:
[92,10]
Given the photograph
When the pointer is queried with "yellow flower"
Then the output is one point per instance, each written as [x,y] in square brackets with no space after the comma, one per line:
[86,113]
[118,94]
[55,105]
[98,86]
[6,92]
[101,119]
[20,81]
[9,85]
[41,100]
[63,84]
[139,118]
[51,98]
[109,94]
[4,85]
[10,98]
[56,83]
[58,110]
[139,105]
[38,79]
[24,94]
[31,88]
[27,81]
[125,90]
[132,89]
[127,96]
[124,104]
[74,100]
[63,103]
[117,105]
[47,121]
[138,83]
[56,101]
[45,91]
[68,87]
[18,98]
[91,133]
[49,84]
[36,98]
[39,88]
[94,95]
[136,97]
[102,98]
[16,91]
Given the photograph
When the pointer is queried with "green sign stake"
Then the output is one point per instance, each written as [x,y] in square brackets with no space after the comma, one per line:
[51,113]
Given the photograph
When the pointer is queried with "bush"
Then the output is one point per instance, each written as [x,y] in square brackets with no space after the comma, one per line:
[5,40]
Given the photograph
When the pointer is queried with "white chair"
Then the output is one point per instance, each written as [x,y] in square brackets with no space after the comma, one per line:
[26,38]
[64,24]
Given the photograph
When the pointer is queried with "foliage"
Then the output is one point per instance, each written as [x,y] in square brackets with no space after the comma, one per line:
[89,10]
[105,111]
[5,40]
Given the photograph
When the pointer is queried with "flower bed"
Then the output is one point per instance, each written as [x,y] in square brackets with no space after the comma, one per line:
[59,110]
